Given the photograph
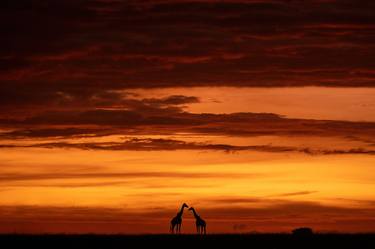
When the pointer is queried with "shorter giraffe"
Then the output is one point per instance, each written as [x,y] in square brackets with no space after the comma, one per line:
[199,222]
[177,220]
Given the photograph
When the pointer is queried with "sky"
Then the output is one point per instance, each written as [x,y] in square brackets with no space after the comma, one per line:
[259,114]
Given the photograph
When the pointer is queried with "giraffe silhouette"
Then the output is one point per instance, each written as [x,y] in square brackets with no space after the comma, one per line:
[177,220]
[199,222]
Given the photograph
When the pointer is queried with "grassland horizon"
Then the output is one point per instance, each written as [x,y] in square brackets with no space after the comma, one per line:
[260,240]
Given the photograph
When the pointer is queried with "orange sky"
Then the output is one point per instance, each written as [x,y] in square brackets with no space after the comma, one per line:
[134,182]
[260,114]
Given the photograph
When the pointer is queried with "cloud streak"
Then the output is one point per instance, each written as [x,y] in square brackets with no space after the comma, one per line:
[144,118]
[124,113]
[147,144]
[7,178]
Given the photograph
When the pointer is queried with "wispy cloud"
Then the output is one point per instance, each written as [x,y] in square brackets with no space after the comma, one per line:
[117,178]
[142,117]
[147,144]
[298,193]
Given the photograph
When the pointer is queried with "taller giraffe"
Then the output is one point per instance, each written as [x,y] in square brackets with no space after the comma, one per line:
[177,220]
[199,222]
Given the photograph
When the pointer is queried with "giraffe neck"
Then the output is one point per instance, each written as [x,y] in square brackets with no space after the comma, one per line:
[181,211]
[195,214]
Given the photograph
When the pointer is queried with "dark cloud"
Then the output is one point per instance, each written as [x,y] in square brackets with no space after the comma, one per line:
[27,102]
[68,67]
[51,132]
[173,100]
[147,144]
[52,47]
[140,117]
[93,114]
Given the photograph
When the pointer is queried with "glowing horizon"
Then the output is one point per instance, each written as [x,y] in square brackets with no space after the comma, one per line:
[151,172]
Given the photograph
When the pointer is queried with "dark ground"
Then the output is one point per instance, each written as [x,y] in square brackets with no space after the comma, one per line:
[269,241]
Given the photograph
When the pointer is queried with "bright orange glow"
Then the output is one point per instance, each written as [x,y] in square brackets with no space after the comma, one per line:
[139,182]
[259,172]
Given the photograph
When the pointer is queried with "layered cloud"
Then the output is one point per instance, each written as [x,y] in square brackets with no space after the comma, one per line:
[169,144]
[167,116]
[124,114]
[22,177]
[74,47]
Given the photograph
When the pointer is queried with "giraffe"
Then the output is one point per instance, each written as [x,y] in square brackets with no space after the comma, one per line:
[199,222]
[177,220]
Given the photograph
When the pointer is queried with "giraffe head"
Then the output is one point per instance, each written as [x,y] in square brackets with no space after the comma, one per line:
[185,205]
[191,208]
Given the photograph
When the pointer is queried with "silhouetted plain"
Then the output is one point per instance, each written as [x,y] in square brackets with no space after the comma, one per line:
[254,241]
